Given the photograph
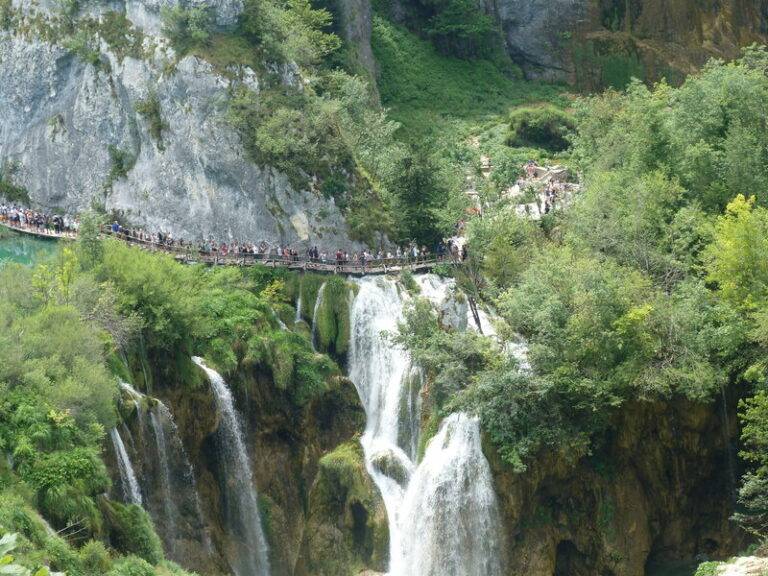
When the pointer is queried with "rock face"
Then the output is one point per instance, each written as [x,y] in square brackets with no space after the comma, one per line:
[583,41]
[306,500]
[658,490]
[536,32]
[354,21]
[63,121]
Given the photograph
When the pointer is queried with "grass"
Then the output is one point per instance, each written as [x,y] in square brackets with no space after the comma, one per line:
[429,93]
[226,50]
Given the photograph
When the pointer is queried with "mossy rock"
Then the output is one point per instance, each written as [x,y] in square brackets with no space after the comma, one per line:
[332,322]
[310,286]
[347,529]
[388,463]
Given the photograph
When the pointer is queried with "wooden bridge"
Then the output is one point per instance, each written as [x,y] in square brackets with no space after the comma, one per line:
[191,255]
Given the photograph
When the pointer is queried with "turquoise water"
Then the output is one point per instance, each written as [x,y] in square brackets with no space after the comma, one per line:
[24,249]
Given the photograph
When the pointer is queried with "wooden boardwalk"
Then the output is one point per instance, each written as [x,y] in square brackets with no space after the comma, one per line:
[188,255]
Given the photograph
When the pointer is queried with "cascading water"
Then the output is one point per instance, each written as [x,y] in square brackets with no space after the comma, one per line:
[168,481]
[131,489]
[297,318]
[240,492]
[318,303]
[449,520]
[443,515]
[165,472]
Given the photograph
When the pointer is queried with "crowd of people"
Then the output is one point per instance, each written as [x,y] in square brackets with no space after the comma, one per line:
[211,248]
[66,225]
[546,198]
[39,222]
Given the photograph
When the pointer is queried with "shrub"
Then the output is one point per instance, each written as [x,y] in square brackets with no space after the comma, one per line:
[123,38]
[540,127]
[6,14]
[150,109]
[460,28]
[9,190]
[95,558]
[83,46]
[121,163]
[131,532]
[132,566]
[187,27]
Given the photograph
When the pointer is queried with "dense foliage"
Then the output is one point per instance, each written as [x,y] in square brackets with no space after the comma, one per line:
[71,326]
[651,286]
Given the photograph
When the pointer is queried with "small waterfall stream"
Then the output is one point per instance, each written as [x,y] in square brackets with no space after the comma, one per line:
[130,484]
[167,478]
[297,317]
[449,520]
[240,491]
[318,303]
[443,515]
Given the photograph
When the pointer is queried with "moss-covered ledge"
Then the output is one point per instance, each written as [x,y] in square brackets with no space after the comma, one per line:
[347,529]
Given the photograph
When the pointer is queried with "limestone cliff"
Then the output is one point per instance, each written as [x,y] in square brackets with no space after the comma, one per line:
[595,43]
[657,489]
[72,134]
[304,507]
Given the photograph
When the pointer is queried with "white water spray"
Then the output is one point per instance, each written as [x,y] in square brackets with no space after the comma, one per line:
[242,506]
[131,489]
[443,515]
[449,519]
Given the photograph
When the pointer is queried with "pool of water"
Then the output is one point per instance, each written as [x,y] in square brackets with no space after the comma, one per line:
[24,249]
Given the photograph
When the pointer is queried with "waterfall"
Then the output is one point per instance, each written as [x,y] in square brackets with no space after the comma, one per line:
[450,520]
[136,397]
[318,303]
[128,479]
[297,319]
[170,490]
[240,492]
[165,472]
[443,515]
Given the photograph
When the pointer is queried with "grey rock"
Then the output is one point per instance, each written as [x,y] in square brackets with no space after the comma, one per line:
[535,33]
[354,17]
[59,116]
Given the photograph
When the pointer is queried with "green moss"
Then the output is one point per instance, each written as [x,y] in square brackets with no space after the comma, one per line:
[407,280]
[131,531]
[428,432]
[225,51]
[310,285]
[347,531]
[332,320]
